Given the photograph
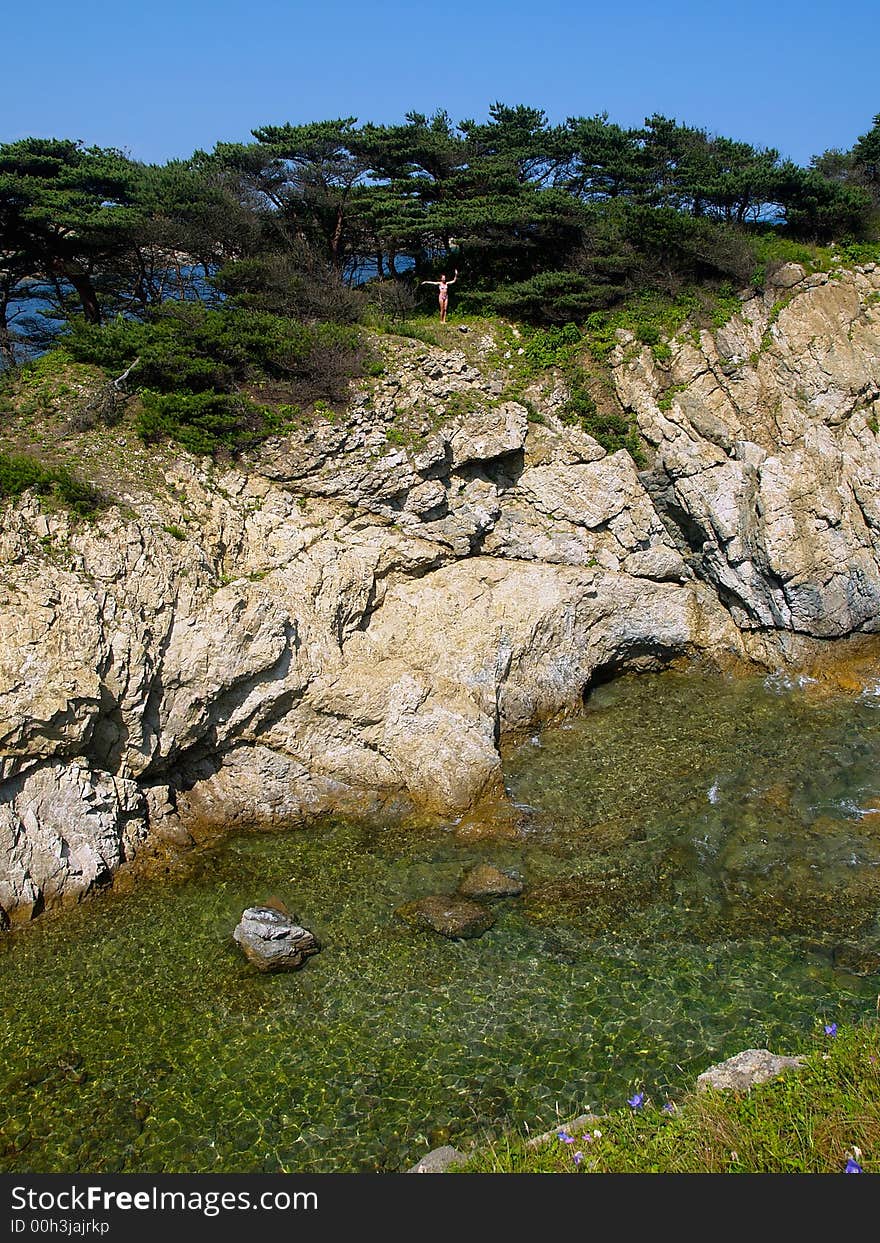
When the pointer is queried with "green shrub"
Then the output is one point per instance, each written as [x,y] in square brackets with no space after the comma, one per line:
[201,422]
[214,379]
[612,430]
[653,318]
[187,348]
[553,298]
[662,352]
[22,473]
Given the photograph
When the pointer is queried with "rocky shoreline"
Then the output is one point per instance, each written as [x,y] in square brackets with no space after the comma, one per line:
[739,1073]
[354,618]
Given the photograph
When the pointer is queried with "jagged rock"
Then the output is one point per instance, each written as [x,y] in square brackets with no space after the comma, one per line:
[487,433]
[438,1160]
[744,1070]
[63,830]
[272,940]
[484,880]
[162,818]
[427,496]
[451,916]
[659,564]
[765,474]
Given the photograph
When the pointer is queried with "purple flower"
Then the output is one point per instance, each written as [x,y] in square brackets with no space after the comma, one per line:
[830,1029]
[565,1137]
[577,1157]
[853,1167]
[668,1108]
[637,1101]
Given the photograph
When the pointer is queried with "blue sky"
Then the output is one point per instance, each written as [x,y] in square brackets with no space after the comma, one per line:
[162,78]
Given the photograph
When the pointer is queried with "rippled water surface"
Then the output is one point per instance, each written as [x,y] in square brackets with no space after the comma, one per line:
[702,867]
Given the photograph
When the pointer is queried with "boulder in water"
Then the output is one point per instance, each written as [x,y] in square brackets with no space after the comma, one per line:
[484,880]
[453,916]
[272,939]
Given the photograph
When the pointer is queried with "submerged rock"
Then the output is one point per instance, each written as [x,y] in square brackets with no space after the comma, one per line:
[860,959]
[742,1071]
[484,880]
[272,940]
[453,917]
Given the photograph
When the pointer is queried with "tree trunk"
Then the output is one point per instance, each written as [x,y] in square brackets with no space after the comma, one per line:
[336,238]
[7,349]
[85,291]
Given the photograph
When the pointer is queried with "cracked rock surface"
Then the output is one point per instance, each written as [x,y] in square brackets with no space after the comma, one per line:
[355,615]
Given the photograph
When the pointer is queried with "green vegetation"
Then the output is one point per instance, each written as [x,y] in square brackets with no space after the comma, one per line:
[21,473]
[612,429]
[458,404]
[224,378]
[815,1120]
[652,317]
[546,223]
[664,403]
[224,293]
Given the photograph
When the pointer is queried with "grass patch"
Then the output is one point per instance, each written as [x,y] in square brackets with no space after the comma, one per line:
[812,1121]
[527,353]
[653,318]
[612,430]
[52,380]
[413,327]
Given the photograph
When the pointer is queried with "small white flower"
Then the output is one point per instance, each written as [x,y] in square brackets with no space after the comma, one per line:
[857,1152]
[597,1135]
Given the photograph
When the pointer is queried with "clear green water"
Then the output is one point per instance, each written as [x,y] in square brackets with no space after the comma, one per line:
[701,873]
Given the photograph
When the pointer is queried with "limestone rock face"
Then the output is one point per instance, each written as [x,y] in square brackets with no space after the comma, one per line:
[744,1070]
[353,617]
[272,940]
[63,829]
[766,452]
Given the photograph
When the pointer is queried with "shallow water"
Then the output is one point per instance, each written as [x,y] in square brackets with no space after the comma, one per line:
[702,867]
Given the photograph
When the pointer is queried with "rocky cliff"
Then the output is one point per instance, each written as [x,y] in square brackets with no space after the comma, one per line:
[360,611]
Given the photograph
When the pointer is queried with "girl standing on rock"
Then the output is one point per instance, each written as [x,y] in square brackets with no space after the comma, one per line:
[443,290]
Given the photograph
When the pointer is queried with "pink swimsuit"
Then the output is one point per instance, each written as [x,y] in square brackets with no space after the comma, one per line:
[444,292]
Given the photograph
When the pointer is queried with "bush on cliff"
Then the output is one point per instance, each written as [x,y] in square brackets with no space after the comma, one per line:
[22,473]
[224,378]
